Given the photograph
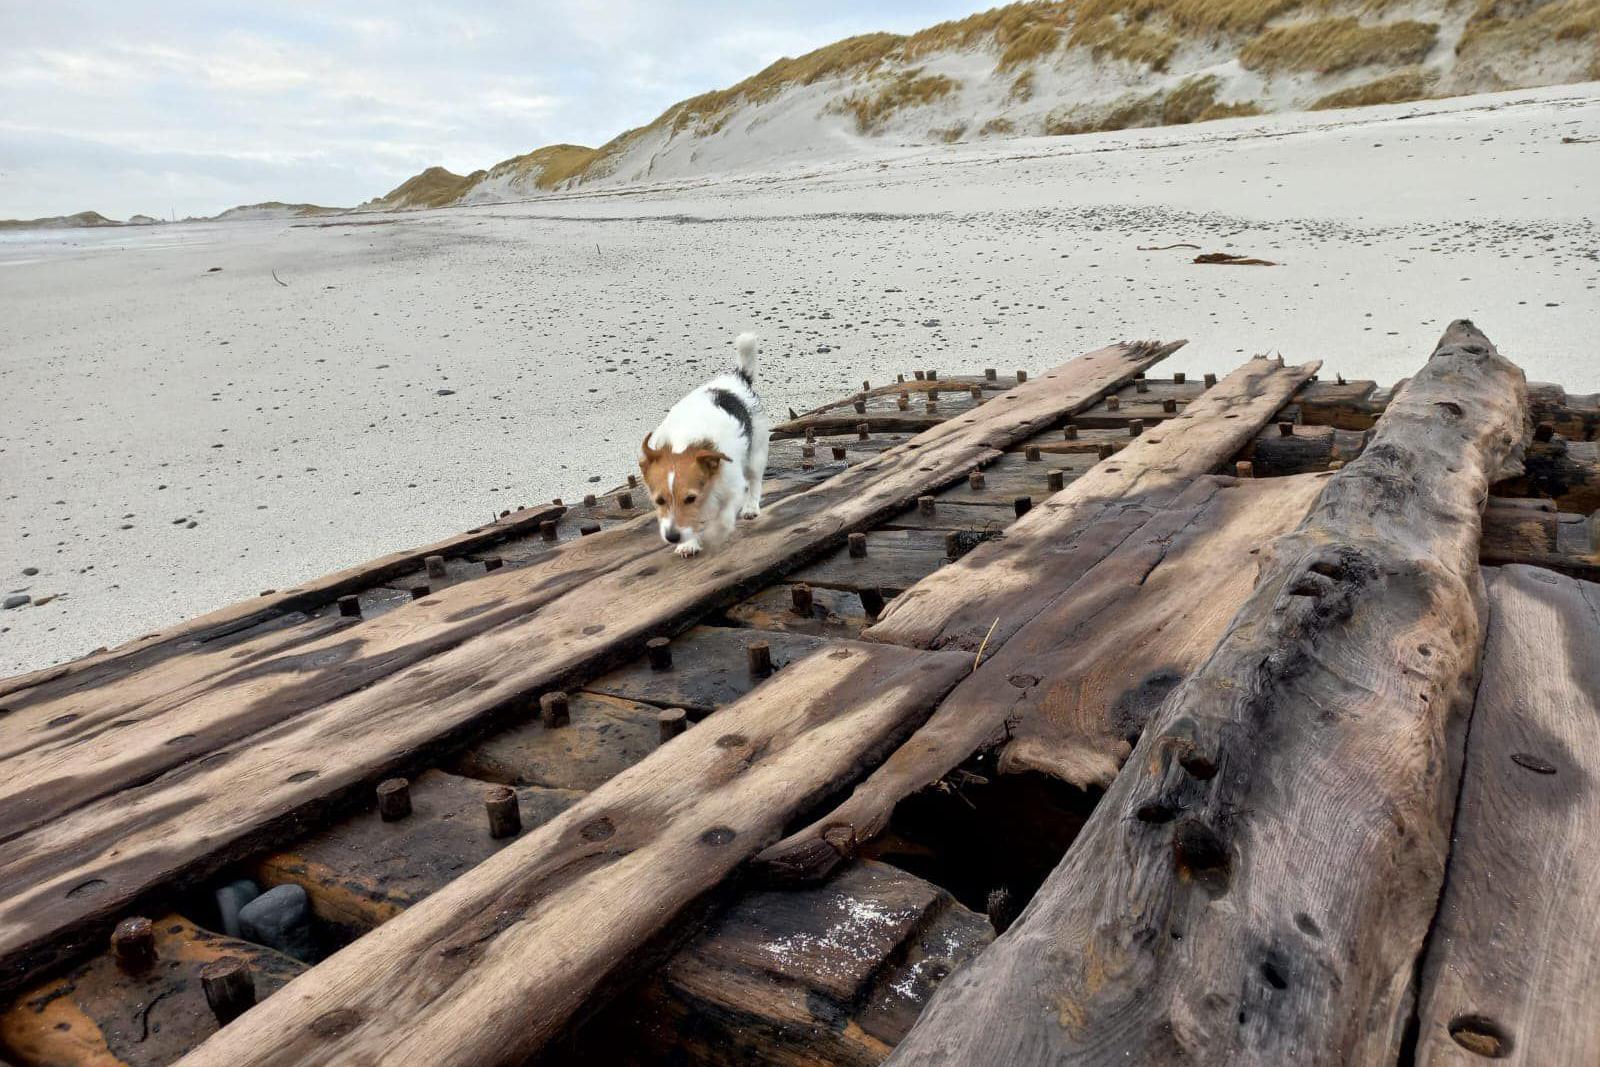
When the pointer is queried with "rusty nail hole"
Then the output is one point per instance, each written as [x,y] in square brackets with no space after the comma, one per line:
[597,829]
[731,741]
[1480,1035]
[1533,763]
[717,835]
[1274,977]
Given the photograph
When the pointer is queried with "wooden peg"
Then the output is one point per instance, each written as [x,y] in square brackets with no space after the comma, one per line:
[1169,405]
[394,799]
[1135,427]
[872,603]
[435,566]
[625,500]
[229,987]
[1178,377]
[759,654]
[858,545]
[555,709]
[419,591]
[659,652]
[1032,453]
[505,815]
[989,374]
[1056,480]
[925,504]
[133,943]
[1245,469]
[350,606]
[672,722]
[800,600]
[547,529]
[1022,376]
[1211,379]
[1113,402]
[838,451]
[1285,429]
[975,479]
[1022,505]
[1069,432]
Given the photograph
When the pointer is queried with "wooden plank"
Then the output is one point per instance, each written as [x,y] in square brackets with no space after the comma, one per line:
[1071,692]
[1304,449]
[1566,471]
[894,560]
[1574,416]
[146,651]
[1540,537]
[1256,885]
[834,974]
[1513,964]
[833,612]
[603,736]
[948,515]
[98,1015]
[710,668]
[362,871]
[340,718]
[568,907]
[67,744]
[994,590]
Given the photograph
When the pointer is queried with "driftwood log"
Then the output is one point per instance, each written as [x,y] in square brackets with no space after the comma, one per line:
[1513,967]
[493,965]
[1256,885]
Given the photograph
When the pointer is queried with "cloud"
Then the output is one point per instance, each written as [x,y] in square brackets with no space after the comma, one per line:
[206,106]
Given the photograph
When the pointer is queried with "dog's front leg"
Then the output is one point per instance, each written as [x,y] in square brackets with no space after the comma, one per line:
[689,546]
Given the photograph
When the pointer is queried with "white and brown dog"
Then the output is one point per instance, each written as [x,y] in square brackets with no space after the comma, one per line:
[704,463]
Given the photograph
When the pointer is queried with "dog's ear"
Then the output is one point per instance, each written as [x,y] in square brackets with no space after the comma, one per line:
[710,461]
[646,453]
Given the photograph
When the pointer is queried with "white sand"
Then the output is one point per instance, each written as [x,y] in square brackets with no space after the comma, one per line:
[301,428]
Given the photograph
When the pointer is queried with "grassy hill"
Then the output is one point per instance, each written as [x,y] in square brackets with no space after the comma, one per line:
[1066,67]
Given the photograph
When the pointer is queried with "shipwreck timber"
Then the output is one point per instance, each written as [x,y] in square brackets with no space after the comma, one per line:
[1074,716]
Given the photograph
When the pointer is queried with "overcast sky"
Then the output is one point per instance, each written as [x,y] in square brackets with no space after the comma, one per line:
[191,107]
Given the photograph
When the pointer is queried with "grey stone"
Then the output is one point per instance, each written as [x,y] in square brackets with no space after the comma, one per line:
[231,898]
[16,600]
[30,571]
[280,918]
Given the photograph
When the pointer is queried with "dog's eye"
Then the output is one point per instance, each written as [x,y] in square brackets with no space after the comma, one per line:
[689,499]
[661,501]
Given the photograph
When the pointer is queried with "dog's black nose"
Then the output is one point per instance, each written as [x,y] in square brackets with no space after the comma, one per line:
[672,536]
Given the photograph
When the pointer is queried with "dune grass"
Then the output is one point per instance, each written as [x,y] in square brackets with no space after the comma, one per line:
[999,126]
[1134,42]
[909,88]
[1501,26]
[549,166]
[1023,31]
[1195,100]
[434,187]
[1390,89]
[1327,46]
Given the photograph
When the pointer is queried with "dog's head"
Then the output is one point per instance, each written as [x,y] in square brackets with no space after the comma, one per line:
[679,483]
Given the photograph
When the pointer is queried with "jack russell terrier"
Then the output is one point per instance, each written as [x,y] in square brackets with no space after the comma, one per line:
[704,463]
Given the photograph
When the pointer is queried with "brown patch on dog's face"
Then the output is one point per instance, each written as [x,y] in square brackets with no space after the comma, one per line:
[679,483]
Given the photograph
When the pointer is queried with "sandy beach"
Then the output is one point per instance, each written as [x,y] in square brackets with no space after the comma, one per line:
[183,429]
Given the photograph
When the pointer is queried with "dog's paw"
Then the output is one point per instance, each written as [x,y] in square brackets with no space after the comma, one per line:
[687,551]
[750,511]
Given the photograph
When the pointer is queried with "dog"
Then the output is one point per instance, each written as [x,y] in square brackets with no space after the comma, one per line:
[704,463]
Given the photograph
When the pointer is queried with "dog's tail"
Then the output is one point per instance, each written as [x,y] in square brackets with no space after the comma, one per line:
[746,343]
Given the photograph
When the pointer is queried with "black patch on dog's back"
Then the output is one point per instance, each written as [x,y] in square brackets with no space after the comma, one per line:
[731,403]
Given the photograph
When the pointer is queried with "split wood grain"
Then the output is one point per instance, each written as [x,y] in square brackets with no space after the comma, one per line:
[490,968]
[1013,578]
[316,741]
[1513,964]
[1256,885]
[1071,691]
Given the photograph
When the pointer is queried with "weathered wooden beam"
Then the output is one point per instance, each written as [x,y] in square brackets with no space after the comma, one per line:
[1304,449]
[1567,472]
[287,738]
[991,592]
[1070,693]
[569,906]
[143,652]
[1513,963]
[1256,885]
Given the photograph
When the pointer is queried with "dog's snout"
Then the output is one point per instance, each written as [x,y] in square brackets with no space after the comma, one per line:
[671,535]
